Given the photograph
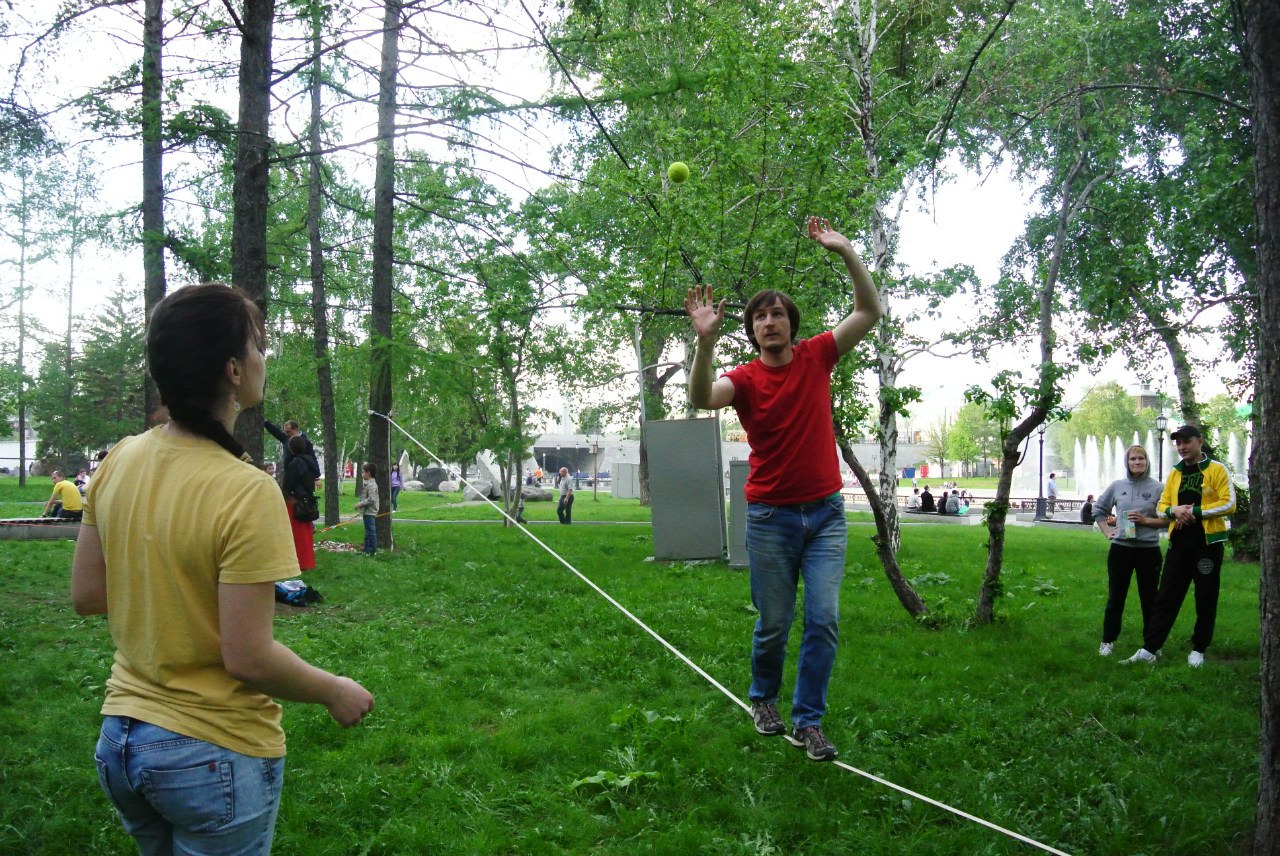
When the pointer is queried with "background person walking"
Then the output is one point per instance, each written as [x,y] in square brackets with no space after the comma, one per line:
[564,509]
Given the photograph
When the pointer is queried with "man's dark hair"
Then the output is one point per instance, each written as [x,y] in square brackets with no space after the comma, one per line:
[291,424]
[297,445]
[371,469]
[763,299]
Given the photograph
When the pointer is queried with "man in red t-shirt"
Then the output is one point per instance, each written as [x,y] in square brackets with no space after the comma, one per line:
[795,515]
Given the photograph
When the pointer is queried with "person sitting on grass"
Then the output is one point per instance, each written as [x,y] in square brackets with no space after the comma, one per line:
[65,502]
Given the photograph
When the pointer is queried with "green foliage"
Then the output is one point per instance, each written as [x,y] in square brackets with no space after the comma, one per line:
[1220,413]
[1106,410]
[101,400]
[1243,536]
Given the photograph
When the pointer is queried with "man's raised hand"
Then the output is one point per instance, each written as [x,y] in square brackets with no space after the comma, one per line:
[820,230]
[705,316]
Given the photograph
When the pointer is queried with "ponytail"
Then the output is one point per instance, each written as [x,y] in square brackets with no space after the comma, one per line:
[200,421]
[191,335]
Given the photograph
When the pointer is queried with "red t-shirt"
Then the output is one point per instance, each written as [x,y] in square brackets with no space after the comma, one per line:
[786,412]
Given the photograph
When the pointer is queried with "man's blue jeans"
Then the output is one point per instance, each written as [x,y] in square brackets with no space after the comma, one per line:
[370,533]
[787,543]
[177,794]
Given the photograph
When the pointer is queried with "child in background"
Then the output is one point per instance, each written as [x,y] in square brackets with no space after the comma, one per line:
[369,505]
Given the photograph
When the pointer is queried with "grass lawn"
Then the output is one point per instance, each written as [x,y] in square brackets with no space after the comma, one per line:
[518,712]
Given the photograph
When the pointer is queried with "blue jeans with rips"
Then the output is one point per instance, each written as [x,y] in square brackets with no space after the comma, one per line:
[370,534]
[787,543]
[177,794]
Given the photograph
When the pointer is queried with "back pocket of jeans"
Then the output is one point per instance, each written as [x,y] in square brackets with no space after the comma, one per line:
[199,799]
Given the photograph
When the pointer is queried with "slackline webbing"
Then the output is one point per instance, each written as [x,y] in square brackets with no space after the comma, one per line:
[708,678]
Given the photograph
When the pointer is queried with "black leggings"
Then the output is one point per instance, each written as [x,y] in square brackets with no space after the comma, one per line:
[1123,563]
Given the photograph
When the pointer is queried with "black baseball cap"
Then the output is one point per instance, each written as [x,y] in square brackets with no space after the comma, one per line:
[1186,432]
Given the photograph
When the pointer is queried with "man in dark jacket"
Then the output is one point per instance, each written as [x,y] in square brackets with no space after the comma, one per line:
[926,500]
[284,434]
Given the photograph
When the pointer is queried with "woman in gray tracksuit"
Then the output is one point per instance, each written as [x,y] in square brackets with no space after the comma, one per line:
[1135,542]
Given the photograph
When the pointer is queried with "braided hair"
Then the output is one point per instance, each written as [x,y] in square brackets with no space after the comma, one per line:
[191,335]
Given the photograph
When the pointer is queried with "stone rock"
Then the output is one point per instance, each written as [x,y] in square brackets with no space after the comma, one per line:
[448,487]
[480,489]
[414,485]
[533,493]
[431,477]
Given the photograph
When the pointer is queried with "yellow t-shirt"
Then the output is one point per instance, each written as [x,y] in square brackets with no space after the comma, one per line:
[177,516]
[68,494]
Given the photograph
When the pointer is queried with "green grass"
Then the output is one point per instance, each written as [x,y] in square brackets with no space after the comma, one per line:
[518,712]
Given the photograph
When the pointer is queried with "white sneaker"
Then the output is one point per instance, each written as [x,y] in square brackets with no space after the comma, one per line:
[1195,659]
[1105,649]
[1141,656]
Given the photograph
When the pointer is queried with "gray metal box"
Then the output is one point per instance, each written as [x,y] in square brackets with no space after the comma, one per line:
[686,488]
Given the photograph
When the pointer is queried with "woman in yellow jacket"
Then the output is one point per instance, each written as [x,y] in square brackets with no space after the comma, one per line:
[1197,500]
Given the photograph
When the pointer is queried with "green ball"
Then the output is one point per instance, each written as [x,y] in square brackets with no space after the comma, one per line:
[678,172]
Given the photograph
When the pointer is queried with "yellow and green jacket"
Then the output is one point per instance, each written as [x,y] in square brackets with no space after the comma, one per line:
[1217,496]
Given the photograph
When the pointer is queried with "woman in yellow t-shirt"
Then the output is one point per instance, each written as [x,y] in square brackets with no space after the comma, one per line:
[181,544]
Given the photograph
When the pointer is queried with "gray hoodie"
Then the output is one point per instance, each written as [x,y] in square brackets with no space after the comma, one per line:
[1130,494]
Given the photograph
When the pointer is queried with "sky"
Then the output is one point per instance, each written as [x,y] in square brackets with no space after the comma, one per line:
[972,219]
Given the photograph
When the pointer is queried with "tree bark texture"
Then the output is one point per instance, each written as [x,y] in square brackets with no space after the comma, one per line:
[153,282]
[1262,27]
[249,195]
[1187,401]
[384,187]
[885,549]
[319,303]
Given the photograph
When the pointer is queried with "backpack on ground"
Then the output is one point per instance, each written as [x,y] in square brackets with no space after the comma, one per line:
[296,593]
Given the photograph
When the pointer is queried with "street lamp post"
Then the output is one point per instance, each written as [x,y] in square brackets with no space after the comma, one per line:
[1040,508]
[595,469]
[1162,422]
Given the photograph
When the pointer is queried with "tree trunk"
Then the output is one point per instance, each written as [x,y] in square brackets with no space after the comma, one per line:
[22,340]
[1048,394]
[1262,26]
[884,228]
[380,333]
[997,514]
[250,191]
[1181,365]
[319,301]
[887,497]
[153,287]
[73,238]
[885,549]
